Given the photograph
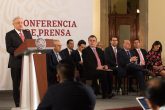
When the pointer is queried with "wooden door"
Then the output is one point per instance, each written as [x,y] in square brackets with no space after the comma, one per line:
[124,26]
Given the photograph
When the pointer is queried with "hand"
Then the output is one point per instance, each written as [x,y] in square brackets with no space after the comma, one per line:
[133,59]
[80,62]
[58,77]
[105,67]
[100,67]
[156,67]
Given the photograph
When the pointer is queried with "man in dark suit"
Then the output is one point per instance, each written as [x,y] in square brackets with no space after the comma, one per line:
[77,58]
[68,94]
[52,59]
[68,51]
[128,64]
[139,53]
[94,65]
[111,58]
[14,39]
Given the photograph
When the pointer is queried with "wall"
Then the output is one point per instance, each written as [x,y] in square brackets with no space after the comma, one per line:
[143,23]
[104,22]
[96,18]
[156,23]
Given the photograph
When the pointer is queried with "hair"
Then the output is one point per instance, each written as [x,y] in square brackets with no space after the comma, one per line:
[137,39]
[114,37]
[66,68]
[157,43]
[18,17]
[92,36]
[156,94]
[70,40]
[81,42]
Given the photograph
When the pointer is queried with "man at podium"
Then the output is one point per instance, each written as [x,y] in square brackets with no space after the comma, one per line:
[14,39]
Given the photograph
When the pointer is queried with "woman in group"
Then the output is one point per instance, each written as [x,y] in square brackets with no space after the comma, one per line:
[154,60]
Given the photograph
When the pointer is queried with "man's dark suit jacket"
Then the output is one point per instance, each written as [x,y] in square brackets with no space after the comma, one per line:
[76,58]
[65,52]
[13,41]
[110,57]
[52,62]
[124,62]
[69,95]
[90,61]
[135,53]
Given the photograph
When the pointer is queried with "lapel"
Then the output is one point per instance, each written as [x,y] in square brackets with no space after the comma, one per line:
[136,52]
[24,34]
[111,50]
[17,36]
[91,51]
[142,52]
[53,57]
[61,55]
[126,54]
[67,51]
[78,55]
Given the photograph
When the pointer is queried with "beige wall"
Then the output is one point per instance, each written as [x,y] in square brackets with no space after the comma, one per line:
[156,23]
[104,23]
[143,23]
[96,19]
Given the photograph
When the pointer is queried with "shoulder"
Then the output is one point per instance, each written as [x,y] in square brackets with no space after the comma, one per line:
[84,87]
[10,32]
[86,49]
[133,51]
[75,52]
[99,50]
[143,50]
[64,50]
[108,48]
[50,52]
[121,51]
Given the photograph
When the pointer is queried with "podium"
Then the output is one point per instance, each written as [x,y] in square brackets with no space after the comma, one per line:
[34,74]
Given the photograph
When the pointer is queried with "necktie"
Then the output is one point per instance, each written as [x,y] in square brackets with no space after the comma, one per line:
[128,53]
[142,62]
[22,36]
[58,57]
[97,57]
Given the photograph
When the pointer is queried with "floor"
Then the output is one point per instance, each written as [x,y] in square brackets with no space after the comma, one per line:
[119,101]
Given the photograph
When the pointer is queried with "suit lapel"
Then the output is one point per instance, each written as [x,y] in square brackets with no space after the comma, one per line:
[24,34]
[53,57]
[78,55]
[17,36]
[113,54]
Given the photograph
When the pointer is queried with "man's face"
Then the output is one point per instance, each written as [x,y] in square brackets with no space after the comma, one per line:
[136,44]
[81,47]
[18,24]
[57,47]
[92,42]
[70,45]
[127,44]
[114,41]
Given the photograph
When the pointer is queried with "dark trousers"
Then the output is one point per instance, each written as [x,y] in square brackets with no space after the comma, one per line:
[16,78]
[105,79]
[140,76]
